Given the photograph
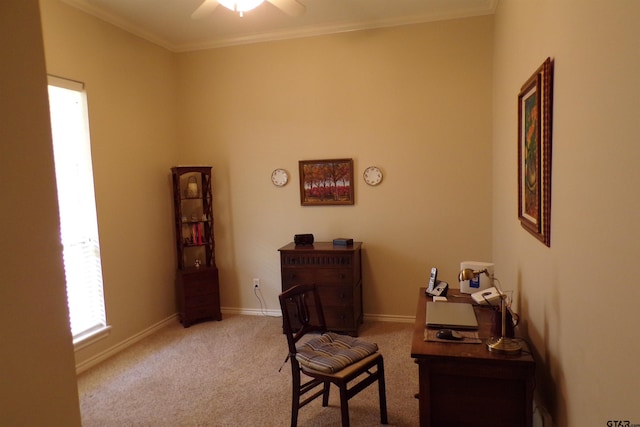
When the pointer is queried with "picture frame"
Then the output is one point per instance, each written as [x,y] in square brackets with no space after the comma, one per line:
[326,182]
[535,105]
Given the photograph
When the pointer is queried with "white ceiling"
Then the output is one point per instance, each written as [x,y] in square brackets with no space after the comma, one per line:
[168,23]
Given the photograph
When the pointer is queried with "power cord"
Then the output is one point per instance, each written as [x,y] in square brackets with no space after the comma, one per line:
[263,305]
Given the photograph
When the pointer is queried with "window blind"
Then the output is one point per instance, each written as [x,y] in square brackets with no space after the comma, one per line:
[77,209]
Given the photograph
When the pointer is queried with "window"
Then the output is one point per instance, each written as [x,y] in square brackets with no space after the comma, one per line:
[77,208]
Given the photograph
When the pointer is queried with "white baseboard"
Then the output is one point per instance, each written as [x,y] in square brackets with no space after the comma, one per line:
[277,313]
[251,311]
[112,351]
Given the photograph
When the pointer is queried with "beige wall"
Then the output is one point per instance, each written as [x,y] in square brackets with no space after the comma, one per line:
[37,375]
[131,92]
[578,298]
[414,100]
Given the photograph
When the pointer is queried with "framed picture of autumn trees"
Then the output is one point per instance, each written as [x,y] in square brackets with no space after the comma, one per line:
[326,182]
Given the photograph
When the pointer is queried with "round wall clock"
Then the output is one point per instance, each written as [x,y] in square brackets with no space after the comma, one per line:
[279,177]
[372,175]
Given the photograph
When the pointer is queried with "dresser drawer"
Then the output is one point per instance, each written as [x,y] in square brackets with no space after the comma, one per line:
[337,318]
[198,282]
[317,276]
[193,289]
[193,314]
[341,319]
[198,295]
[198,300]
[336,296]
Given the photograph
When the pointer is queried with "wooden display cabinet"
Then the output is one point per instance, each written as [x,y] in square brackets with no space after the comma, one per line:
[197,285]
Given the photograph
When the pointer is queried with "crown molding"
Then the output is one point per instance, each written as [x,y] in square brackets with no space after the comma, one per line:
[284,34]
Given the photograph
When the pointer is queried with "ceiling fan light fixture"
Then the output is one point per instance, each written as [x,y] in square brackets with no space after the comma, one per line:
[241,6]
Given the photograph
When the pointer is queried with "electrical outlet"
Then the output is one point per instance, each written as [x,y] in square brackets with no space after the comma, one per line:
[256,283]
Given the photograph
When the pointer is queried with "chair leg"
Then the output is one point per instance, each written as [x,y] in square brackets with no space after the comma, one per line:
[382,393]
[325,395]
[295,399]
[344,405]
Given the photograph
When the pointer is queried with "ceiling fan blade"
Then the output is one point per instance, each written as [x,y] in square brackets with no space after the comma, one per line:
[290,7]
[207,7]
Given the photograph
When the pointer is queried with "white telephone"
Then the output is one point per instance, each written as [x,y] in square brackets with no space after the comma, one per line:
[487,296]
[436,287]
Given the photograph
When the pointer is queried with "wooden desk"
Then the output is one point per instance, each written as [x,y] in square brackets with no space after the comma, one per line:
[466,385]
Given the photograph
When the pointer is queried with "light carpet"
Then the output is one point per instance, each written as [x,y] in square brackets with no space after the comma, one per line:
[226,374]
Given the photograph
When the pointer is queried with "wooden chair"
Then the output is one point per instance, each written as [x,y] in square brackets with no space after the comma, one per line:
[326,357]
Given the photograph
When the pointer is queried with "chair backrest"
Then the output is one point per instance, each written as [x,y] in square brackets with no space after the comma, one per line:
[301,313]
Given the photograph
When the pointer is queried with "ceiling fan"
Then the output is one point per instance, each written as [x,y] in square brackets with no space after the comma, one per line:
[290,7]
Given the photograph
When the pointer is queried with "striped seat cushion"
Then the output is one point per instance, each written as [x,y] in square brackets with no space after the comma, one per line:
[330,352]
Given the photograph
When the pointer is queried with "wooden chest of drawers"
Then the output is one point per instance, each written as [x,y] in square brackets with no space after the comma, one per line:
[198,295]
[336,271]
